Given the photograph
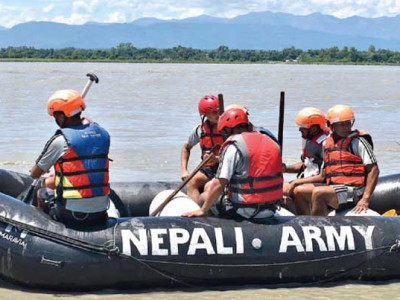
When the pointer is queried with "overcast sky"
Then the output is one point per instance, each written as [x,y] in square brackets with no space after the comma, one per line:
[13,12]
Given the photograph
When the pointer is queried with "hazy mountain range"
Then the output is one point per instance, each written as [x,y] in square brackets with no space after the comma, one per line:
[259,30]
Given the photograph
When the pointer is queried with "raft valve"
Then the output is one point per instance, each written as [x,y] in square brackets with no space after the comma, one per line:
[256,243]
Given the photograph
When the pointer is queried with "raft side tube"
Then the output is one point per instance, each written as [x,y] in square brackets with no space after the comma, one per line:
[386,195]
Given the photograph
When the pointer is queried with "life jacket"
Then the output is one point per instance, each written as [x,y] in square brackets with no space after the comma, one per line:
[266,132]
[209,138]
[263,180]
[312,148]
[82,172]
[341,165]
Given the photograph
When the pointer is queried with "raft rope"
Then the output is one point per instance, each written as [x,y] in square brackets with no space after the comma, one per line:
[276,264]
[339,274]
[109,248]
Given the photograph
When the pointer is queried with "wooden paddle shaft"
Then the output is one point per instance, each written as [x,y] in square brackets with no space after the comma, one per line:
[181,186]
[221,104]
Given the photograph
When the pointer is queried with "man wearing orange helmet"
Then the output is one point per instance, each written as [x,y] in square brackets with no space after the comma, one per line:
[350,168]
[79,153]
[250,168]
[312,125]
[206,133]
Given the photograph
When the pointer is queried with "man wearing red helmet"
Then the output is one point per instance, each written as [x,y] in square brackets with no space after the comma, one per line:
[206,133]
[79,153]
[250,169]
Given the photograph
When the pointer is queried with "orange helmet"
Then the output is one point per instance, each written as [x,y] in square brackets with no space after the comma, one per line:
[340,113]
[70,102]
[310,116]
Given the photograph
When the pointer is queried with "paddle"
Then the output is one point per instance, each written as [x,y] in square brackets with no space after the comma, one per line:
[29,195]
[281,119]
[181,186]
[221,104]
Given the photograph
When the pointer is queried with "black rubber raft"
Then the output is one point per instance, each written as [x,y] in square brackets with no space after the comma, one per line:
[137,251]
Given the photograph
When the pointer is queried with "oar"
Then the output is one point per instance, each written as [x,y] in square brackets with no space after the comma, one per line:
[281,119]
[221,104]
[181,186]
[92,78]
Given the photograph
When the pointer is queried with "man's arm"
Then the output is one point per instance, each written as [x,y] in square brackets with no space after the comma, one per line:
[55,148]
[185,154]
[209,197]
[372,179]
[194,139]
[296,168]
[36,171]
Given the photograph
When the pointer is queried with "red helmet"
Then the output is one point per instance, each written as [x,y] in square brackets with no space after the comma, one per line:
[208,104]
[231,118]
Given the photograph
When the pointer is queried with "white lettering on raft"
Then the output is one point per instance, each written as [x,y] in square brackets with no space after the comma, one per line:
[313,236]
[16,240]
[197,240]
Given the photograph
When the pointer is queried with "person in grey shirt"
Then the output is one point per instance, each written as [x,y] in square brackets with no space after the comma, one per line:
[79,153]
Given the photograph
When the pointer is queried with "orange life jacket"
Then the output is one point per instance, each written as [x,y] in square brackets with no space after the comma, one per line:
[341,165]
[263,179]
[209,138]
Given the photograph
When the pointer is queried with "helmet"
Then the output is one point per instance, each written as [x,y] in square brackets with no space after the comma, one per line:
[340,113]
[208,104]
[244,108]
[70,102]
[231,118]
[310,116]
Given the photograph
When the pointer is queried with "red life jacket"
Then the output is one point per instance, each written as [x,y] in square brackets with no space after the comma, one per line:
[209,138]
[341,165]
[263,179]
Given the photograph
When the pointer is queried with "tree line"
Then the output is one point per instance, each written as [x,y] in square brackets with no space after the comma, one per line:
[127,52]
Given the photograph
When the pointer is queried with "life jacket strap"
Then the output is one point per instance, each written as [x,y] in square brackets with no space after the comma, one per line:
[83,157]
[83,172]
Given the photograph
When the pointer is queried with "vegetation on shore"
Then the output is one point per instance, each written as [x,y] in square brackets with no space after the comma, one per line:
[126,52]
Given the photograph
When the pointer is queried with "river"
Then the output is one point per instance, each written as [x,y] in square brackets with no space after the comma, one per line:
[150,109]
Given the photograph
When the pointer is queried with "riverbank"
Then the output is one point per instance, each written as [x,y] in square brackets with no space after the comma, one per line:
[127,53]
[29,60]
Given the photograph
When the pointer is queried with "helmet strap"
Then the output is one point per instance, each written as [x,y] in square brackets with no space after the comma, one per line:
[226,133]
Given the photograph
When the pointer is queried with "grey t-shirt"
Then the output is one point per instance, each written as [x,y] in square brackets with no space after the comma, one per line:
[231,163]
[194,137]
[55,148]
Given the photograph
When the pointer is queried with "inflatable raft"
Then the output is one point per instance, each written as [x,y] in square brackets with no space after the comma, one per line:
[137,251]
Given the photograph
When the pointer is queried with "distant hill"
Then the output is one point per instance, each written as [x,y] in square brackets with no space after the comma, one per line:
[259,30]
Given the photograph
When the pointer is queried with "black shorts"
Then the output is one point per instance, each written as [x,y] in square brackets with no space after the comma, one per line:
[59,213]
[209,171]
